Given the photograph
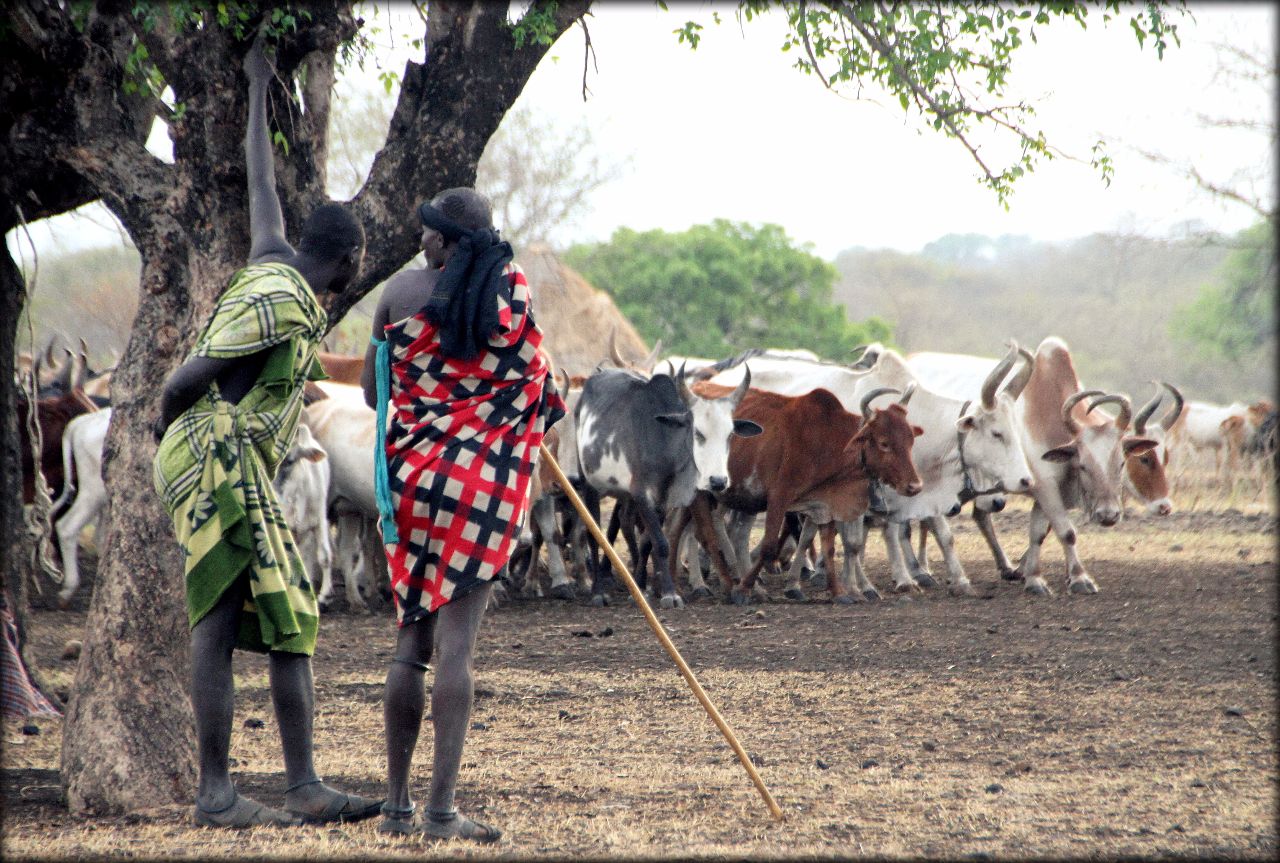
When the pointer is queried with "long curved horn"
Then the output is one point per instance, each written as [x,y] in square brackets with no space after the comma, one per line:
[739,392]
[564,387]
[648,361]
[1071,402]
[1126,408]
[996,376]
[1145,412]
[865,406]
[613,350]
[1018,382]
[78,369]
[908,393]
[1174,412]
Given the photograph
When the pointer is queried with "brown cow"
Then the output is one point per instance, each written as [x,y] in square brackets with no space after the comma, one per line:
[813,456]
[52,416]
[341,368]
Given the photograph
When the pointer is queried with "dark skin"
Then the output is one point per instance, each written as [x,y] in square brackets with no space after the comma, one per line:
[213,638]
[453,627]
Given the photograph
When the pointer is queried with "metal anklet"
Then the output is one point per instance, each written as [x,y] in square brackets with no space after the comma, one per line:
[303,784]
[442,816]
[421,666]
[389,811]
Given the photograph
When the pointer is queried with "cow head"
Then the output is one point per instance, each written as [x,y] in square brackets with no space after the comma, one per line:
[305,448]
[1146,472]
[1097,453]
[885,439]
[990,443]
[713,425]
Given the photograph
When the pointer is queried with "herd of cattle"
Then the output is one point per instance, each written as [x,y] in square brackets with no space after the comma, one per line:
[821,449]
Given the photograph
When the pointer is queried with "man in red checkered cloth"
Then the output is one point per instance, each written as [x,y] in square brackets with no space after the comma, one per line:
[456,358]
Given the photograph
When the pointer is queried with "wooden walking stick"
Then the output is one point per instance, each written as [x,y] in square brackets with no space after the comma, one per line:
[656,626]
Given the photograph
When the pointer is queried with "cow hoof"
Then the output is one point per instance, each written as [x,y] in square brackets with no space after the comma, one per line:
[562,591]
[963,588]
[843,599]
[925,579]
[64,603]
[809,574]
[739,597]
[1082,584]
[1011,575]
[324,605]
[672,601]
[1037,587]
[701,593]
[794,593]
[872,595]
[599,600]
[910,587]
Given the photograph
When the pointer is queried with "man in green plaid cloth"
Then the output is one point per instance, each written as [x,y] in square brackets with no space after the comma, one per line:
[228,417]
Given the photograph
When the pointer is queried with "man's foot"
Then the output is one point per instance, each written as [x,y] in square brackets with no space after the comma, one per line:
[455,826]
[317,803]
[242,813]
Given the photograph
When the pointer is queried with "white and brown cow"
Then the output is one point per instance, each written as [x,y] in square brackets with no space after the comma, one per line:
[1077,456]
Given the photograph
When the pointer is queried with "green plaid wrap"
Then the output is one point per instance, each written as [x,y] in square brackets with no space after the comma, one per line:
[215,464]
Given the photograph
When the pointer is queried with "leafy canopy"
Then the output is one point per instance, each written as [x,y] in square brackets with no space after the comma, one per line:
[946,63]
[1233,317]
[717,289]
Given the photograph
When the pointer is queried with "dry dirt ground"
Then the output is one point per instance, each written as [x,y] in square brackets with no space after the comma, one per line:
[1137,722]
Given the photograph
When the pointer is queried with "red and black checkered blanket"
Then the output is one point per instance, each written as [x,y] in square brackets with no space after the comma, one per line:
[461,447]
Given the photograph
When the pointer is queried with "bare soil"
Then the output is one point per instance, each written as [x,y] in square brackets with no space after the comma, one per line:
[1137,722]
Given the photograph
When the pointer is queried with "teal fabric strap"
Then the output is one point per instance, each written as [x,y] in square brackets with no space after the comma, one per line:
[381,478]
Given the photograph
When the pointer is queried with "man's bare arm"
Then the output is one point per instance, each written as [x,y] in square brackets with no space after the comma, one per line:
[266,222]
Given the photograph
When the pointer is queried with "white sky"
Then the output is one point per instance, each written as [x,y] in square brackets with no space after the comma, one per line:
[731,130]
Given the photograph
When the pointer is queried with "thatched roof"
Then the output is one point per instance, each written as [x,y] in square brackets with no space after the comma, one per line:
[576,318]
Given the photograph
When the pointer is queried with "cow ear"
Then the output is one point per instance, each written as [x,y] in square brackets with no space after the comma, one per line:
[1137,445]
[1165,457]
[1060,454]
[916,431]
[313,454]
[966,423]
[746,428]
[679,420]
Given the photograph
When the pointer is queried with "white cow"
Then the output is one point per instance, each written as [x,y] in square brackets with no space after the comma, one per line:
[302,487]
[346,427]
[82,443]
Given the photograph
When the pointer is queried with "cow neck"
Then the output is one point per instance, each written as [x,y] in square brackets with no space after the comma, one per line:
[875,488]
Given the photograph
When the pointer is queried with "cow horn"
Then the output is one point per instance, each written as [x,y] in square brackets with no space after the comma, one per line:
[63,380]
[79,367]
[1176,411]
[652,357]
[740,391]
[996,376]
[613,350]
[865,406]
[907,394]
[564,387]
[686,394]
[1145,412]
[1126,408]
[1018,382]
[1070,403]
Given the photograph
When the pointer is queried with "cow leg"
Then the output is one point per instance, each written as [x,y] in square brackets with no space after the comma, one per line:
[957,581]
[808,530]
[919,574]
[835,584]
[544,517]
[711,533]
[83,510]
[853,536]
[677,521]
[1029,566]
[652,521]
[988,529]
[346,526]
[902,580]
[601,576]
[378,582]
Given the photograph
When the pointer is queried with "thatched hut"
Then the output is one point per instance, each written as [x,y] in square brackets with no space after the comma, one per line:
[576,318]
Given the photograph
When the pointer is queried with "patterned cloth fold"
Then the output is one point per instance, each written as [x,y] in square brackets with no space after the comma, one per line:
[215,464]
[461,447]
[19,697]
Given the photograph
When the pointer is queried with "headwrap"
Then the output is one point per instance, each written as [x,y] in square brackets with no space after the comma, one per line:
[464,303]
